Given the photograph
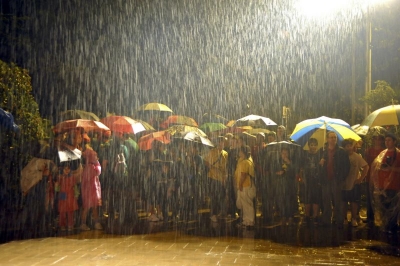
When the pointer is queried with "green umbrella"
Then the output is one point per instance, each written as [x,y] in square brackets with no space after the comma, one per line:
[210,127]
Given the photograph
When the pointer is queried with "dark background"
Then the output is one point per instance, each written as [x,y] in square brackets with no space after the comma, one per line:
[226,57]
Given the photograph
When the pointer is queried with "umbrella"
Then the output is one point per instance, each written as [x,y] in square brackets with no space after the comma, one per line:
[155,107]
[386,116]
[146,125]
[194,137]
[123,124]
[317,128]
[87,125]
[145,142]
[32,173]
[69,155]
[78,114]
[213,118]
[255,131]
[254,121]
[7,121]
[178,120]
[210,127]
[183,128]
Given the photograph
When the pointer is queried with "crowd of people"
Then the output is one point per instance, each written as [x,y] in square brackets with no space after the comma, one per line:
[175,180]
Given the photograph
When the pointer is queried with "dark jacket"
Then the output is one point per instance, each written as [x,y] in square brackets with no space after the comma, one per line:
[341,164]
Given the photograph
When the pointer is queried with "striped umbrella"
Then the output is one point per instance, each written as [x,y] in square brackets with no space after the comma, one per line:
[318,127]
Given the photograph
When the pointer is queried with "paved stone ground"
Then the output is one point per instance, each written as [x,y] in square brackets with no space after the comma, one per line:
[202,242]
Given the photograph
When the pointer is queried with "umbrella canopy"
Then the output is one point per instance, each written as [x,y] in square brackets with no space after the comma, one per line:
[273,149]
[213,118]
[211,127]
[69,155]
[32,173]
[194,137]
[386,116]
[183,128]
[254,121]
[145,142]
[178,120]
[255,131]
[123,124]
[155,107]
[78,114]
[87,125]
[7,121]
[318,127]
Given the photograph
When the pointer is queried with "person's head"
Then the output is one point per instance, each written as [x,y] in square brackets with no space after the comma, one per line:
[271,137]
[220,142]
[75,137]
[348,145]
[106,135]
[378,140]
[241,141]
[260,138]
[280,132]
[244,152]
[312,145]
[390,141]
[331,138]
[284,153]
[65,168]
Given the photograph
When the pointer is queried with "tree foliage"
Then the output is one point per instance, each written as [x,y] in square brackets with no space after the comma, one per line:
[16,97]
[381,96]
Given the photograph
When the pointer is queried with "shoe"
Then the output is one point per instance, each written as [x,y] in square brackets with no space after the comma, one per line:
[70,228]
[84,227]
[214,218]
[98,226]
[153,218]
[62,228]
[354,223]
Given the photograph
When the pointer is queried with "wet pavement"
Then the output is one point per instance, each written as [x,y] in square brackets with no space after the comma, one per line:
[202,242]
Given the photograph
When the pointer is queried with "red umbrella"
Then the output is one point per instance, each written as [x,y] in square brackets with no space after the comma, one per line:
[123,124]
[145,142]
[87,125]
[178,120]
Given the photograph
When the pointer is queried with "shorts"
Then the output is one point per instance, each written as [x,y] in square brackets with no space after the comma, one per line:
[353,195]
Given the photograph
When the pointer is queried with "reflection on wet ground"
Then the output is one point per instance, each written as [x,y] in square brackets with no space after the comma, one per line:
[201,241]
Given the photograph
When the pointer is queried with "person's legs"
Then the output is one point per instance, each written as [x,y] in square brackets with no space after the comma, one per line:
[326,203]
[248,208]
[338,203]
[70,217]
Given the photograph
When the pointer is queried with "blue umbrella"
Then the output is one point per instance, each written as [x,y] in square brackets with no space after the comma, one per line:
[317,128]
[7,121]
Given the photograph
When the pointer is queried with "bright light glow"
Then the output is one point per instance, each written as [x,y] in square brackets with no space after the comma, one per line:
[321,8]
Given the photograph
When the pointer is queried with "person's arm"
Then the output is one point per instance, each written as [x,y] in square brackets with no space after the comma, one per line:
[363,174]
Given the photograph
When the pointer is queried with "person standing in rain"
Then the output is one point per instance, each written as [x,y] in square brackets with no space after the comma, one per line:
[133,159]
[246,189]
[370,155]
[216,164]
[90,188]
[385,177]
[311,171]
[335,168]
[231,188]
[352,188]
[284,170]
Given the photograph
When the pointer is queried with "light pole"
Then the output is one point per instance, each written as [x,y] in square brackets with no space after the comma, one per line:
[368,60]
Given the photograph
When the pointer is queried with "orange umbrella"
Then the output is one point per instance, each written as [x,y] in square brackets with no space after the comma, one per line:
[145,142]
[78,114]
[87,125]
[178,120]
[123,124]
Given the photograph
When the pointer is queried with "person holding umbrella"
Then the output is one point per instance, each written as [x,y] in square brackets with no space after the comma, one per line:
[336,166]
